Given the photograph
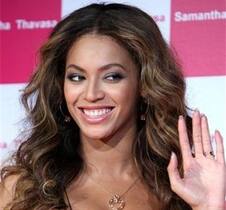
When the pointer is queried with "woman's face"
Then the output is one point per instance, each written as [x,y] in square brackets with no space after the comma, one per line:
[101,87]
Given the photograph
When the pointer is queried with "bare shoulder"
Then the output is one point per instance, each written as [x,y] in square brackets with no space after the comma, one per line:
[7,189]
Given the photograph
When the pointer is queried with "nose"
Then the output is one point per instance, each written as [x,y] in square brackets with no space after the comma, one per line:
[93,91]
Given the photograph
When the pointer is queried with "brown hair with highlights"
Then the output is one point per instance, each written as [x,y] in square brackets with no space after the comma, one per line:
[49,158]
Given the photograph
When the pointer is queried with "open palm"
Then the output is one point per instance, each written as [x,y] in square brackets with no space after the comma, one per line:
[203,183]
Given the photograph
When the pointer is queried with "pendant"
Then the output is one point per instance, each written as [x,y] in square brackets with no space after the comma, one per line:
[116,203]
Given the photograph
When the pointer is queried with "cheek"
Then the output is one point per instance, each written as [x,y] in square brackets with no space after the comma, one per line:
[124,95]
[70,94]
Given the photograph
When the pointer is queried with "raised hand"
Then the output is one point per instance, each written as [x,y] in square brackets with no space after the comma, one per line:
[203,183]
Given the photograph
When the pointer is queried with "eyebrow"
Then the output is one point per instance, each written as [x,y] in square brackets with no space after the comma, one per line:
[102,68]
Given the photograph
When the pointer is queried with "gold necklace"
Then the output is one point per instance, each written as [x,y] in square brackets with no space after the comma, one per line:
[116,202]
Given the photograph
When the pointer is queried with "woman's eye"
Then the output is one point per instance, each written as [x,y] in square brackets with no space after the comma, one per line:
[114,77]
[75,77]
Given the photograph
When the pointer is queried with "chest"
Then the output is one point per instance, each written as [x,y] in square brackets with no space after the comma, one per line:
[93,198]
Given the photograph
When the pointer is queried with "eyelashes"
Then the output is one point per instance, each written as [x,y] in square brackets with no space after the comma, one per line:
[114,77]
[111,77]
[75,77]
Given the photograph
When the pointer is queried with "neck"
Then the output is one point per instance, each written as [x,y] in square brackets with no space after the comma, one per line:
[111,158]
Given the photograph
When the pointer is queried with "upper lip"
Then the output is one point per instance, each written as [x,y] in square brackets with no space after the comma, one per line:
[95,107]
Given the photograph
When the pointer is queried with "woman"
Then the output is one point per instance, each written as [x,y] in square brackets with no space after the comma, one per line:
[108,123]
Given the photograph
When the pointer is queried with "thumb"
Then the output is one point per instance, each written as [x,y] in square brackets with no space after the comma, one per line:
[176,182]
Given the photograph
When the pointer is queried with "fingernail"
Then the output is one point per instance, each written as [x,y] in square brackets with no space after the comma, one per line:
[217,132]
[181,117]
[196,112]
[173,154]
[202,115]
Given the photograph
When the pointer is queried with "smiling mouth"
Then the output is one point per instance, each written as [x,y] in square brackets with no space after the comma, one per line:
[95,115]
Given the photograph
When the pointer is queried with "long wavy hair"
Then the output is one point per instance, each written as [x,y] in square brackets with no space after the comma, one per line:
[49,158]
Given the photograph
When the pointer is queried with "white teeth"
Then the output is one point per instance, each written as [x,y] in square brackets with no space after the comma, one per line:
[96,112]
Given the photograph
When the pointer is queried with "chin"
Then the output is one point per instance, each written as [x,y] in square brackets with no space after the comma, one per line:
[95,135]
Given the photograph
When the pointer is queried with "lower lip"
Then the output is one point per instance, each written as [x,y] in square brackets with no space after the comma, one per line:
[97,120]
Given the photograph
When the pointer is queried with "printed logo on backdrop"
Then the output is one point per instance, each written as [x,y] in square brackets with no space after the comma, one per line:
[24,25]
[198,34]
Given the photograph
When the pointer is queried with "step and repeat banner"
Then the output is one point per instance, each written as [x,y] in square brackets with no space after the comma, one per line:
[196,30]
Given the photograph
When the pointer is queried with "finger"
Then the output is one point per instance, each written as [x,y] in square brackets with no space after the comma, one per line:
[174,176]
[183,140]
[219,147]
[197,133]
[206,139]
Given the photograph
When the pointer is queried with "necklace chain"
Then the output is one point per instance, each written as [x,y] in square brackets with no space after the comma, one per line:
[116,202]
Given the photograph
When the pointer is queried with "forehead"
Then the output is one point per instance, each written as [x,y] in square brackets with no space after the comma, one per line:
[98,49]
